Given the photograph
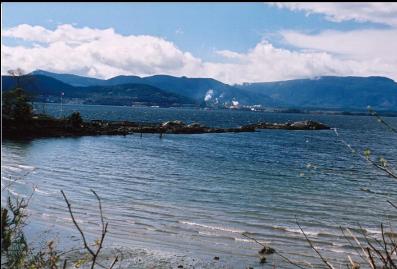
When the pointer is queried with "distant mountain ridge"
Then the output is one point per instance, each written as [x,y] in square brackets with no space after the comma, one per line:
[48,89]
[328,92]
[194,88]
[73,80]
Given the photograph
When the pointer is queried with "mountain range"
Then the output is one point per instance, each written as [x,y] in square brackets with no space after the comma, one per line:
[328,92]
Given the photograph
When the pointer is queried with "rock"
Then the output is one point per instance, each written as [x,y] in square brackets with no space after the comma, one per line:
[48,127]
[216,258]
[308,125]
[266,250]
[195,125]
[298,125]
[247,128]
[180,266]
[173,124]
[262,260]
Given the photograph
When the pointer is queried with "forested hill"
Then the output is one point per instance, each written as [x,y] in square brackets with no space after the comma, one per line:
[328,92]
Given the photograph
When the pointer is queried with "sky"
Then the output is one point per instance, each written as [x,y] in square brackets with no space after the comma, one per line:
[231,42]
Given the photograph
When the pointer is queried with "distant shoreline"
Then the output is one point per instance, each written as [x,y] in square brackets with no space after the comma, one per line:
[308,111]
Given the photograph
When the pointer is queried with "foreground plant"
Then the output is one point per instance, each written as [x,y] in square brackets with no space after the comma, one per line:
[374,253]
[94,253]
[14,248]
[17,253]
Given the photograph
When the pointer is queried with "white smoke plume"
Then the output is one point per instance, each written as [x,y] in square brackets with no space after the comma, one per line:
[209,95]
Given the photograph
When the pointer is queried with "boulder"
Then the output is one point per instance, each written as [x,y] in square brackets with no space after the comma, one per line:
[298,125]
[308,125]
[195,125]
[262,260]
[266,250]
[173,124]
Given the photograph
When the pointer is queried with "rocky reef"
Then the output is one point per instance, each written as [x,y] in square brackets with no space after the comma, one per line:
[49,127]
[298,125]
[169,127]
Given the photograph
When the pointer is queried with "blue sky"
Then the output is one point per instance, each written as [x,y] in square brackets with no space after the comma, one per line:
[201,29]
[197,27]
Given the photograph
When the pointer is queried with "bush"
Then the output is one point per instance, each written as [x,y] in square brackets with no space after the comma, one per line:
[16,105]
[75,120]
[13,243]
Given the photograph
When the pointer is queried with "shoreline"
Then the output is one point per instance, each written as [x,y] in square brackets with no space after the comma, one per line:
[304,111]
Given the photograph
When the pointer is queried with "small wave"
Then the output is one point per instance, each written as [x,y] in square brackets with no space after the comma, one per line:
[12,168]
[7,179]
[372,231]
[26,167]
[212,227]
[250,241]
[338,244]
[14,180]
[298,231]
[243,240]
[216,235]
[13,192]
[207,233]
[338,250]
[41,192]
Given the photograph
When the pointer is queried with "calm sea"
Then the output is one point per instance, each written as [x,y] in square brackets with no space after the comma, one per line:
[183,199]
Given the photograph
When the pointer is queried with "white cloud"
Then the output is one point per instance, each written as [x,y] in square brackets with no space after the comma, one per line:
[104,53]
[267,63]
[372,50]
[358,44]
[329,53]
[385,13]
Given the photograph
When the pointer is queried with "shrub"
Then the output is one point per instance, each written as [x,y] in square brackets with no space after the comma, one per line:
[75,120]
[15,104]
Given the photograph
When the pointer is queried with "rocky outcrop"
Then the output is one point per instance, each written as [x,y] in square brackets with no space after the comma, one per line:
[298,125]
[173,124]
[308,125]
[48,127]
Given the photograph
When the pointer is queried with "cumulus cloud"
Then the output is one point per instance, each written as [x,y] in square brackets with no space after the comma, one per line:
[384,13]
[100,53]
[268,63]
[104,53]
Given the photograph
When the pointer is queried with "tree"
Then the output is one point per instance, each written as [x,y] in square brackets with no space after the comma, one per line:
[16,103]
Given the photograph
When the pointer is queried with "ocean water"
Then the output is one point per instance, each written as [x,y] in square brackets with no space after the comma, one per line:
[183,199]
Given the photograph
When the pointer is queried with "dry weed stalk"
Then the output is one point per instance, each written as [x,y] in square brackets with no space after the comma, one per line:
[99,243]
